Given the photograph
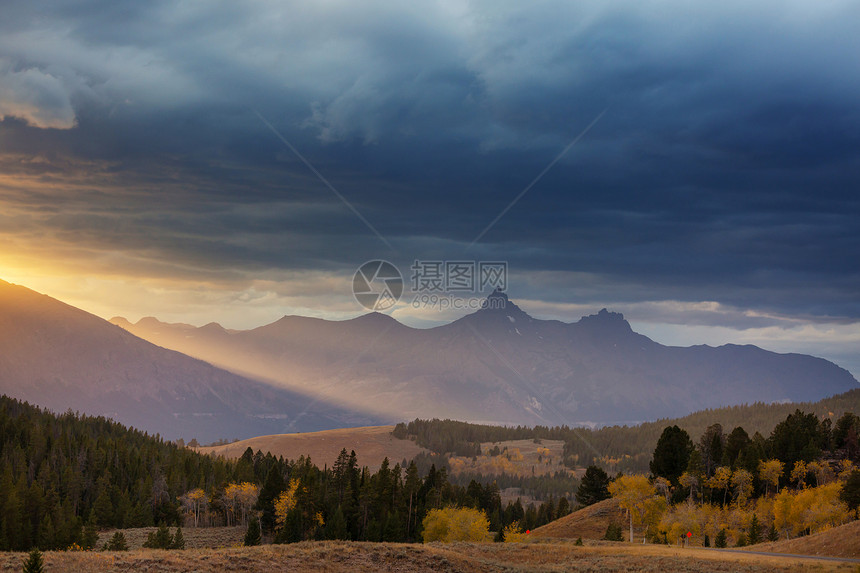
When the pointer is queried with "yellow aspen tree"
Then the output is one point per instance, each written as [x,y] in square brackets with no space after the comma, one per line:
[689,481]
[845,468]
[742,482]
[663,487]
[798,474]
[782,505]
[721,480]
[285,502]
[769,472]
[637,495]
[513,533]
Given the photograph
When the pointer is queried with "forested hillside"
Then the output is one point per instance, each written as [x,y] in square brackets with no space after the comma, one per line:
[65,476]
[61,472]
[618,448]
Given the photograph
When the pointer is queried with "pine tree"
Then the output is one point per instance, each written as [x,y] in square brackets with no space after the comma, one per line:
[755,531]
[672,454]
[178,540]
[336,526]
[272,488]
[707,541]
[34,563]
[160,539]
[721,541]
[773,534]
[91,534]
[593,487]
[253,535]
[103,508]
[563,508]
[117,542]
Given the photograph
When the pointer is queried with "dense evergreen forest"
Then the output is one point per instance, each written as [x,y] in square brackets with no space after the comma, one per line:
[63,472]
[618,448]
[65,476]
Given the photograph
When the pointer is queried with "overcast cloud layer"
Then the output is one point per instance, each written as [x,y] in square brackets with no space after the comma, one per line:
[718,191]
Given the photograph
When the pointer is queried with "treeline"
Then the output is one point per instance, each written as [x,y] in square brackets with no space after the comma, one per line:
[541,487]
[734,487]
[298,501]
[66,476]
[61,473]
[616,448]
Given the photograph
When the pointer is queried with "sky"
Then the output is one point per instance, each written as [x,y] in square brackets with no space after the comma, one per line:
[694,166]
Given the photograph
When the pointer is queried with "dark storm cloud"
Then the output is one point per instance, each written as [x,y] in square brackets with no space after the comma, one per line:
[725,168]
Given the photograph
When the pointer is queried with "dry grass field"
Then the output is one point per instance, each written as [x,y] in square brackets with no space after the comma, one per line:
[371,444]
[343,557]
[842,541]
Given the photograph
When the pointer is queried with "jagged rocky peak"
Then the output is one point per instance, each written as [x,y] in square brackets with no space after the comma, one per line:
[606,320]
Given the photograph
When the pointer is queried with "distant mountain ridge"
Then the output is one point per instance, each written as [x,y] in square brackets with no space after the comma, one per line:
[60,357]
[500,365]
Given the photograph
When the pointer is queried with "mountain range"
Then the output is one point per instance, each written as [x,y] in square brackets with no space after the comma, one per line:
[500,365]
[60,357]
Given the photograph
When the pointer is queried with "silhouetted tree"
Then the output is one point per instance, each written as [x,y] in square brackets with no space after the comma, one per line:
[672,454]
[593,487]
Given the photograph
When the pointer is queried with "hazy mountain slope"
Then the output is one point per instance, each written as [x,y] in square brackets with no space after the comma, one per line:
[60,357]
[501,365]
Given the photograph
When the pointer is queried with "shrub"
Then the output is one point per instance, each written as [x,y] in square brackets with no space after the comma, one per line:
[613,532]
[720,540]
[452,524]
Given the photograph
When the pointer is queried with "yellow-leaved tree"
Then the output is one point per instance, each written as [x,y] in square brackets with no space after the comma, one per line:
[285,502]
[742,481]
[682,519]
[513,533]
[456,524]
[239,498]
[769,472]
[798,474]
[810,510]
[721,480]
[639,497]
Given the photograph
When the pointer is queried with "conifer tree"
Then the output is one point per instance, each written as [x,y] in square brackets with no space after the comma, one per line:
[178,540]
[272,488]
[755,531]
[117,542]
[34,562]
[91,534]
[253,535]
[336,526]
[594,487]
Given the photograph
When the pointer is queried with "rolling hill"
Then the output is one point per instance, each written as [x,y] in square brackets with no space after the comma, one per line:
[500,365]
[588,523]
[371,446]
[61,358]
